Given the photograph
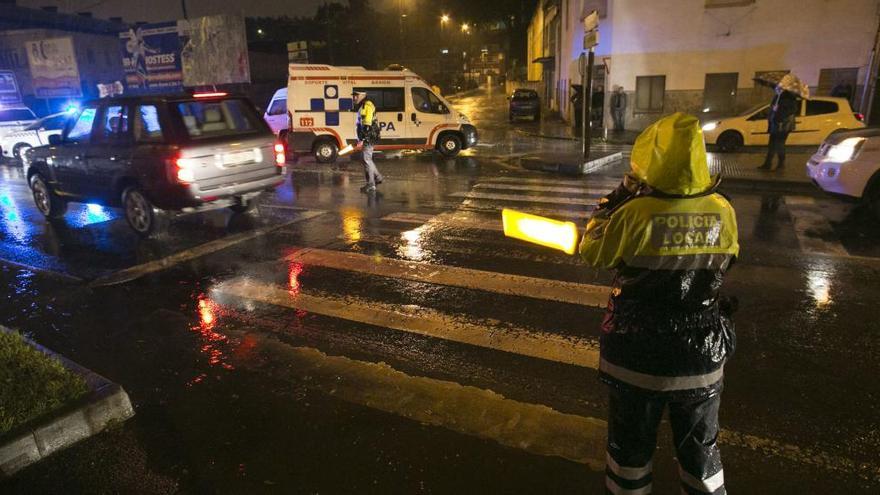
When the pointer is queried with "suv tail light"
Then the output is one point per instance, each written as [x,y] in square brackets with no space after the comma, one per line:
[216,94]
[859,117]
[280,154]
[185,173]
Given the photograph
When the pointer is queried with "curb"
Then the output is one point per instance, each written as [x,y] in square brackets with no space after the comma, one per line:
[28,444]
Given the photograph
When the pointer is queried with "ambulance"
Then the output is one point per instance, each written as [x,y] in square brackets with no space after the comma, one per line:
[321,118]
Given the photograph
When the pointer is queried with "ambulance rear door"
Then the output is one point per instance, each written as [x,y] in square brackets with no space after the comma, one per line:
[390,110]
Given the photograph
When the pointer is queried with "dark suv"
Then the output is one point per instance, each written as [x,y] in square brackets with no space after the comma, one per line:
[181,153]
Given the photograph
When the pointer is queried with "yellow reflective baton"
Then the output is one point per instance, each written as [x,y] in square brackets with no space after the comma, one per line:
[540,230]
[344,151]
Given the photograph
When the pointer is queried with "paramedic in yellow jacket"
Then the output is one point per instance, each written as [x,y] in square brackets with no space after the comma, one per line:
[667,332]
[368,136]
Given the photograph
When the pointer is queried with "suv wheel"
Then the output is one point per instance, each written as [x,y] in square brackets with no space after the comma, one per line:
[873,200]
[730,141]
[140,213]
[449,144]
[326,151]
[49,204]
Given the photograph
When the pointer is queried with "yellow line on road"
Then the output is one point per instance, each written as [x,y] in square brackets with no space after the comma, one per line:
[500,283]
[421,321]
[137,271]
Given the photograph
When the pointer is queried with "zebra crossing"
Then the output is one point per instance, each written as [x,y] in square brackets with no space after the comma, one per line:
[418,277]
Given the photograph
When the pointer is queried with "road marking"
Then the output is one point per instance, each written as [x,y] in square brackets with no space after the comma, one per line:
[586,181]
[421,321]
[406,217]
[468,410]
[137,271]
[460,219]
[499,283]
[536,188]
[810,226]
[45,271]
[547,212]
[525,199]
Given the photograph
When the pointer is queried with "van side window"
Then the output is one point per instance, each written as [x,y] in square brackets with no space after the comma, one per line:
[82,127]
[386,99]
[147,128]
[278,107]
[427,102]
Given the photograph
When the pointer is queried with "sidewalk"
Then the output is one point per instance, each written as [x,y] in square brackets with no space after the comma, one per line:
[555,128]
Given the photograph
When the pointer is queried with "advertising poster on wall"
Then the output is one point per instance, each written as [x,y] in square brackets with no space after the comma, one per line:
[54,73]
[215,51]
[151,57]
[9,88]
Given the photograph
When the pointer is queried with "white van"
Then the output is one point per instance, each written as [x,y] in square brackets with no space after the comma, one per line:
[276,112]
[411,115]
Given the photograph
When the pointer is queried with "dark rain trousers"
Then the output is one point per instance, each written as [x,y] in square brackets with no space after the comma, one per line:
[633,418]
[776,147]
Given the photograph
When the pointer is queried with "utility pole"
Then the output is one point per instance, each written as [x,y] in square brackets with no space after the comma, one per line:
[591,39]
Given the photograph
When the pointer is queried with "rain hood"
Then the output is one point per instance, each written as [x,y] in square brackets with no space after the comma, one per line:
[670,156]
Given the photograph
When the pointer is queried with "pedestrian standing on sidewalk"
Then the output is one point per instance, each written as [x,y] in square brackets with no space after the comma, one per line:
[667,332]
[780,123]
[618,108]
[598,107]
[368,136]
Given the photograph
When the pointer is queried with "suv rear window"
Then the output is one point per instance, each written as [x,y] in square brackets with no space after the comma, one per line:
[16,114]
[215,118]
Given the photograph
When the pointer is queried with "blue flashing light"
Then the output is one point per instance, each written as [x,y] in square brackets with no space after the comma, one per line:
[71,108]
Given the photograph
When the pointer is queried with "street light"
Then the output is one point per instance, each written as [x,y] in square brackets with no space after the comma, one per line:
[444,19]
[465,28]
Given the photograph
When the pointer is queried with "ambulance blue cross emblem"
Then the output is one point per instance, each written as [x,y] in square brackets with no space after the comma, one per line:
[331,104]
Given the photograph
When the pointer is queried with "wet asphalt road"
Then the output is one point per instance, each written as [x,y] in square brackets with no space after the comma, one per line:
[332,342]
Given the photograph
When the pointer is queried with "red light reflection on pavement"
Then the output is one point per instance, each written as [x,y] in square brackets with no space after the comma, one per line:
[212,342]
[294,271]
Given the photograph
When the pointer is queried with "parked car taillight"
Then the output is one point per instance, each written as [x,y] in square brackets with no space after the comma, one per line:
[859,117]
[280,154]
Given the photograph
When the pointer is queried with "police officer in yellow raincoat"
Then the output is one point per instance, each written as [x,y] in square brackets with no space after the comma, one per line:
[667,331]
[368,136]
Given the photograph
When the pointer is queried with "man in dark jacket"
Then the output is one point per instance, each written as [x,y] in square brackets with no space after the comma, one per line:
[618,108]
[667,331]
[780,122]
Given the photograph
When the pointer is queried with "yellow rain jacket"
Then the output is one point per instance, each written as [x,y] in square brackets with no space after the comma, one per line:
[670,237]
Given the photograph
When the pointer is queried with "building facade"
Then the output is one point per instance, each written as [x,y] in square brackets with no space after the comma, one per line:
[701,56]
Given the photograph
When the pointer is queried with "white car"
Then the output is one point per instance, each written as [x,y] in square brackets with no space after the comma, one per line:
[818,118]
[15,119]
[15,144]
[848,164]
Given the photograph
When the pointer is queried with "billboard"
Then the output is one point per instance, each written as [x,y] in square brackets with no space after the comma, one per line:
[214,51]
[151,57]
[9,87]
[54,73]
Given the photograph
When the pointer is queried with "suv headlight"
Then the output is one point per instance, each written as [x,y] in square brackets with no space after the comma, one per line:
[710,126]
[845,150]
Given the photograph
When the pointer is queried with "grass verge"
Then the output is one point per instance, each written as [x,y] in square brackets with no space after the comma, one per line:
[32,383]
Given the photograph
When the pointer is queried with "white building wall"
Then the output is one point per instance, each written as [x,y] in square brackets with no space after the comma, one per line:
[571,45]
[684,41]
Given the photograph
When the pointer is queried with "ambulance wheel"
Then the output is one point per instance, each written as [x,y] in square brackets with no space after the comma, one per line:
[449,144]
[326,151]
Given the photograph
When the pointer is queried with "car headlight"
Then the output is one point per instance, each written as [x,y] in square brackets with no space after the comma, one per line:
[710,126]
[845,150]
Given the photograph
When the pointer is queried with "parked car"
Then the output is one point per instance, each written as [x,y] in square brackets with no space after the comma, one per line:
[15,119]
[848,164]
[818,118]
[15,144]
[183,153]
[525,103]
